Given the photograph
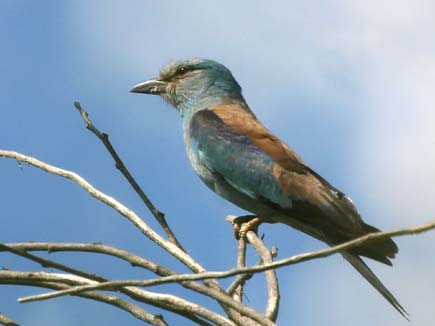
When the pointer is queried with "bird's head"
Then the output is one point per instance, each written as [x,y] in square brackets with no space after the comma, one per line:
[192,83]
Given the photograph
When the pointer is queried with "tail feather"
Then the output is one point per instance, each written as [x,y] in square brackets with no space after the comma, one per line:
[365,271]
[379,250]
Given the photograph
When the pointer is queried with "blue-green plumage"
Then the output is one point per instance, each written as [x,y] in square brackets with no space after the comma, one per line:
[234,158]
[239,159]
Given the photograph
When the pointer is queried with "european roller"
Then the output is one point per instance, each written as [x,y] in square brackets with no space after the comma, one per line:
[245,163]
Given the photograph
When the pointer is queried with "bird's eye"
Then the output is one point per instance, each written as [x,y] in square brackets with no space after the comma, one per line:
[181,71]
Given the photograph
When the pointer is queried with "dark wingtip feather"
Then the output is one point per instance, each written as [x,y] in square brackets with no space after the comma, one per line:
[380,250]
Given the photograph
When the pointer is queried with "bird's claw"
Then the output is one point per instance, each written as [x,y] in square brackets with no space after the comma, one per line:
[243,224]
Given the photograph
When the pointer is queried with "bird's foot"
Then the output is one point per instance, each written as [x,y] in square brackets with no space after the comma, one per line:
[251,225]
[243,224]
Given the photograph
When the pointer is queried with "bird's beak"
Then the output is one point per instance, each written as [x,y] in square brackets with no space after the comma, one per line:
[153,86]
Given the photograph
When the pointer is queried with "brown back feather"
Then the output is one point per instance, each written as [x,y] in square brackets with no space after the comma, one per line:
[317,202]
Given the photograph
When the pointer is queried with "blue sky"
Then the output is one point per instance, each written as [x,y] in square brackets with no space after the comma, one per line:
[349,86]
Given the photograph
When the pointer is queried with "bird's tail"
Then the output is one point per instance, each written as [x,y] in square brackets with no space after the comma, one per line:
[366,272]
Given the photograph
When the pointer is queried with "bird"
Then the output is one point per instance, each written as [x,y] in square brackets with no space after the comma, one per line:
[238,158]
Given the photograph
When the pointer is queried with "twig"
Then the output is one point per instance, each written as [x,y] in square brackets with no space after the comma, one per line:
[50,247]
[252,269]
[188,309]
[177,305]
[160,217]
[50,263]
[61,281]
[119,164]
[6,321]
[271,279]
[110,201]
[135,261]
[266,258]
[141,225]
[239,280]
[241,262]
[187,260]
[169,302]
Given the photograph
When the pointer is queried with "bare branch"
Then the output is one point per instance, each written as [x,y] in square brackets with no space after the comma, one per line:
[241,262]
[6,321]
[271,279]
[50,263]
[163,300]
[110,201]
[168,302]
[63,281]
[160,217]
[253,269]
[219,296]
[241,278]
[119,164]
[177,305]
[245,225]
[140,224]
[50,247]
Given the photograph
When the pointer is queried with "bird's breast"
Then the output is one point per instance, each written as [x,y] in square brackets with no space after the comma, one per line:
[197,160]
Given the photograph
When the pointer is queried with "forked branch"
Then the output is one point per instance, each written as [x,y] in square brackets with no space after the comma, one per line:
[119,164]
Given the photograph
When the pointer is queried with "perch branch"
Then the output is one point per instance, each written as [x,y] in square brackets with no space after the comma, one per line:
[176,306]
[241,278]
[253,269]
[181,255]
[160,217]
[134,261]
[241,262]
[165,301]
[271,279]
[119,164]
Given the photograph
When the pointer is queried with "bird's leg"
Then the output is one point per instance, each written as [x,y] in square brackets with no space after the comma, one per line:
[243,224]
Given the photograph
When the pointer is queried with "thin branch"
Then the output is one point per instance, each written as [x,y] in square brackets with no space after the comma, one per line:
[6,321]
[160,217]
[165,301]
[172,303]
[241,262]
[140,224]
[64,281]
[241,278]
[176,306]
[50,263]
[110,201]
[50,247]
[179,305]
[138,261]
[252,269]
[181,255]
[246,222]
[271,279]
[119,164]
